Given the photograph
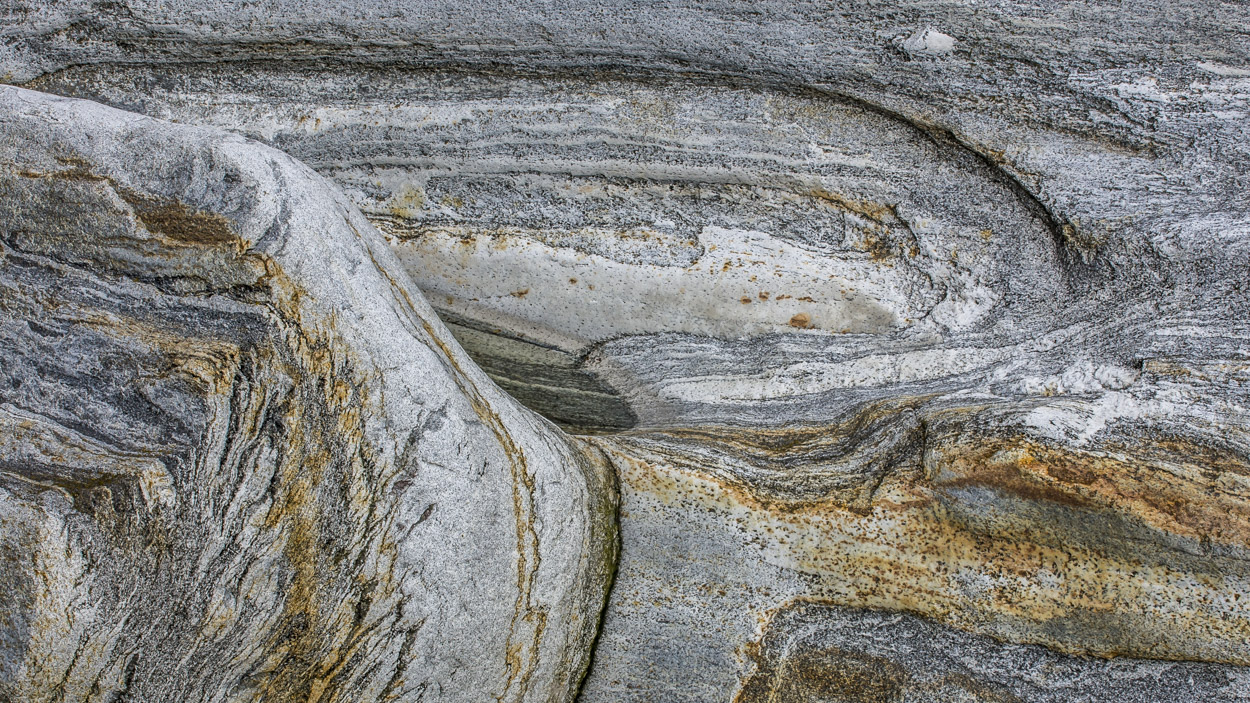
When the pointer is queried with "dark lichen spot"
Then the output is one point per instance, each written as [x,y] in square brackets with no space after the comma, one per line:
[173,219]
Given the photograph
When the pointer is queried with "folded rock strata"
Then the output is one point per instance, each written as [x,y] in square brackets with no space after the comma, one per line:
[242,460]
[573,212]
[921,327]
[811,649]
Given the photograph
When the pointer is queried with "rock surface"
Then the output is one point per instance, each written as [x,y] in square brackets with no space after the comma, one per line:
[922,321]
[242,460]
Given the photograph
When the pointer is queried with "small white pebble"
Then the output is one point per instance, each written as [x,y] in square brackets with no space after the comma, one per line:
[929,41]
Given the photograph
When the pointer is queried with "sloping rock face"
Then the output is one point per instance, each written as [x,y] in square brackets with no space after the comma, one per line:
[918,330]
[242,460]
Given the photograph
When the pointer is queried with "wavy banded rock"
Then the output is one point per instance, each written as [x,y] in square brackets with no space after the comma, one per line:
[810,649]
[709,210]
[1013,402]
[242,460]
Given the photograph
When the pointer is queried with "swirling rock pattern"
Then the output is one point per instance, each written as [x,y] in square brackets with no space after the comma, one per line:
[918,321]
[242,458]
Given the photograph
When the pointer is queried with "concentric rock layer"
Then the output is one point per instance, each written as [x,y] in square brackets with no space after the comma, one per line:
[914,332]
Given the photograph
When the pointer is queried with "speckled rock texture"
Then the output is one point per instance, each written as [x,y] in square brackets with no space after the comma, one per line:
[916,333]
[242,459]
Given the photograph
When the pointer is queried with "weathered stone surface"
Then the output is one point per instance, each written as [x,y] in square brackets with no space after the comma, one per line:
[512,214]
[810,650]
[926,307]
[1003,538]
[242,460]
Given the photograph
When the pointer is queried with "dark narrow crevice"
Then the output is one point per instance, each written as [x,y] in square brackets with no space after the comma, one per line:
[549,381]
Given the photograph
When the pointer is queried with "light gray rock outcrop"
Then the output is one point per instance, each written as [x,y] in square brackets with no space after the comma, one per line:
[926,321]
[242,460]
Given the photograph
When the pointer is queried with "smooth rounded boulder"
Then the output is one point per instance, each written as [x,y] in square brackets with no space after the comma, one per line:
[241,459]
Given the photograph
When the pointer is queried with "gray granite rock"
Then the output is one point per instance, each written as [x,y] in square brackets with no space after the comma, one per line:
[242,459]
[932,308]
[809,650]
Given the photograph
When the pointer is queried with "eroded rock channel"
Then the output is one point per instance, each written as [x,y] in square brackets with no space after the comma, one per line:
[893,356]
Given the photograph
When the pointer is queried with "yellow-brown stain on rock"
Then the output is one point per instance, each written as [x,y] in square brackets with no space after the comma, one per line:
[163,216]
[1175,486]
[797,659]
[877,212]
[324,452]
[1032,565]
[876,246]
[316,406]
[178,222]
[406,203]
[520,664]
[801,320]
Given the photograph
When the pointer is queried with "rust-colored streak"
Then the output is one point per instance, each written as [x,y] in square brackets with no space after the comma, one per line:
[877,212]
[802,321]
[1174,486]
[178,222]
[166,217]
[324,447]
[1076,550]
[519,668]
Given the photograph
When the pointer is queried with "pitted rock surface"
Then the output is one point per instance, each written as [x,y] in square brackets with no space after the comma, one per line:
[897,322]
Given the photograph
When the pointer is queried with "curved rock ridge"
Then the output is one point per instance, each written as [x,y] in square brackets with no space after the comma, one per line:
[560,214]
[243,460]
[571,211]
[567,213]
